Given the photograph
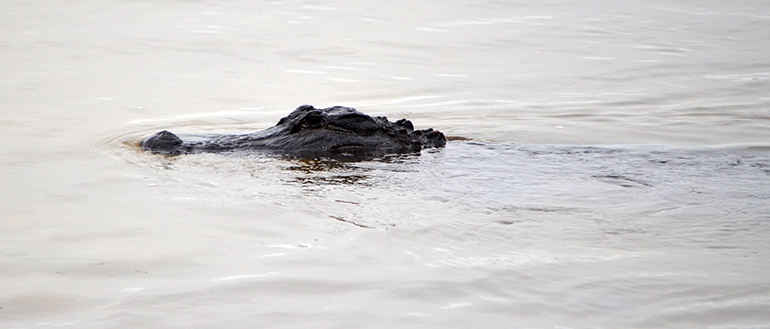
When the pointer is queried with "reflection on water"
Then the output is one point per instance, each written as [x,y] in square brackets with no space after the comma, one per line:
[513,180]
[345,170]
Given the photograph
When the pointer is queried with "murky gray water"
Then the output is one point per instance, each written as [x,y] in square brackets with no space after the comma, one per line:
[617,173]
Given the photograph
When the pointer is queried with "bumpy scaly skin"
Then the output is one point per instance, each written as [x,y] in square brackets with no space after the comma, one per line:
[308,131]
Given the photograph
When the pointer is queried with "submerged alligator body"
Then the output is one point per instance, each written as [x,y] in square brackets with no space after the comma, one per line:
[308,131]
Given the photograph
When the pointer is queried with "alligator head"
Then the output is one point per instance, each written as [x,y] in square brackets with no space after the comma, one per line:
[308,131]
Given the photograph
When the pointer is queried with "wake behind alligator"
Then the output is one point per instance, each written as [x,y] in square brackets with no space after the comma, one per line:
[308,131]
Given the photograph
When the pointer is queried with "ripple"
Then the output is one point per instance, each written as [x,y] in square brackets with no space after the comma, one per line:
[246,276]
[428,29]
[304,72]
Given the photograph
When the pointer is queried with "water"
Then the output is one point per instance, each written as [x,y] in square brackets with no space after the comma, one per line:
[613,172]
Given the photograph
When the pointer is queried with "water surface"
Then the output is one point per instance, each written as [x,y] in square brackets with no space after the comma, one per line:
[613,170]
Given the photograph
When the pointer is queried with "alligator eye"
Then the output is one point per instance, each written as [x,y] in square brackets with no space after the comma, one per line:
[313,121]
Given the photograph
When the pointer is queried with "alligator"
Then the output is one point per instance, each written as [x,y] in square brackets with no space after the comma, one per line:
[309,132]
